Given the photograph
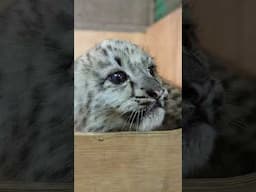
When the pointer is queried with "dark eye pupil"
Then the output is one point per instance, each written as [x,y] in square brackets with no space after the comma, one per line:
[118,77]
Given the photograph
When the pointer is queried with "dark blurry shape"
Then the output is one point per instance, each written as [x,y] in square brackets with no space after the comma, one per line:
[189,39]
[35,187]
[201,99]
[244,183]
[234,151]
[226,30]
[199,107]
[36,92]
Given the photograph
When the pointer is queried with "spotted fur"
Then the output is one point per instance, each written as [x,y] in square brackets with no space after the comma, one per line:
[101,106]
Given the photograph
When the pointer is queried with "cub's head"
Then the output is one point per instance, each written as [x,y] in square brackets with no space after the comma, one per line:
[117,88]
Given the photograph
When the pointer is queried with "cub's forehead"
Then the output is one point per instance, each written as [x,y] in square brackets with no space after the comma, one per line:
[122,47]
[118,44]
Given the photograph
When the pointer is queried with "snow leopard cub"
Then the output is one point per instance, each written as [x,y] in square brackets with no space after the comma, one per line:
[117,88]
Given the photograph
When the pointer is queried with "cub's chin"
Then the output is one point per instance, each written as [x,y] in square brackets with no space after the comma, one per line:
[152,120]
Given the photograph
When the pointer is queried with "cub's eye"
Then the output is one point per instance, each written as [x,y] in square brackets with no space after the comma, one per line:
[152,70]
[117,77]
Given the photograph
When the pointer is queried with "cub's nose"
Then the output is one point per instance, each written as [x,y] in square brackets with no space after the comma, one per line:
[156,94]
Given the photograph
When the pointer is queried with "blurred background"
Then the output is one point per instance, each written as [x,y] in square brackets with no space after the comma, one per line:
[226,31]
[153,24]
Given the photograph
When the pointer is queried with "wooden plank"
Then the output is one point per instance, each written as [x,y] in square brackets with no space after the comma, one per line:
[163,41]
[113,15]
[34,187]
[86,39]
[126,162]
[245,183]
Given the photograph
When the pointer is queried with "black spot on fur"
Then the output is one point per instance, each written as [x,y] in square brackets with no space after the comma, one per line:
[109,47]
[105,52]
[88,103]
[118,61]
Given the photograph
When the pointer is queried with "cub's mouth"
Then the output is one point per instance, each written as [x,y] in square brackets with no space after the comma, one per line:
[138,115]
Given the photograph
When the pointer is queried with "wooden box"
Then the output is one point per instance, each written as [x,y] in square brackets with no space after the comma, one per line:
[128,162]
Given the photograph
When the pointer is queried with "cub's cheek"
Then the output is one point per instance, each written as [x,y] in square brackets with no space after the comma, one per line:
[165,94]
[163,103]
[115,96]
[130,90]
[125,92]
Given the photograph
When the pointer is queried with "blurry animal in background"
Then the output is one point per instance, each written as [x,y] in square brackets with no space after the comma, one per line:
[218,112]
[36,74]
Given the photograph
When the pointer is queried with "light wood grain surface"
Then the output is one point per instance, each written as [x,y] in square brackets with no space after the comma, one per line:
[163,40]
[128,162]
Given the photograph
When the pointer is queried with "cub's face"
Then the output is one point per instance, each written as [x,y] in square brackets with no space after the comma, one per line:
[122,86]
